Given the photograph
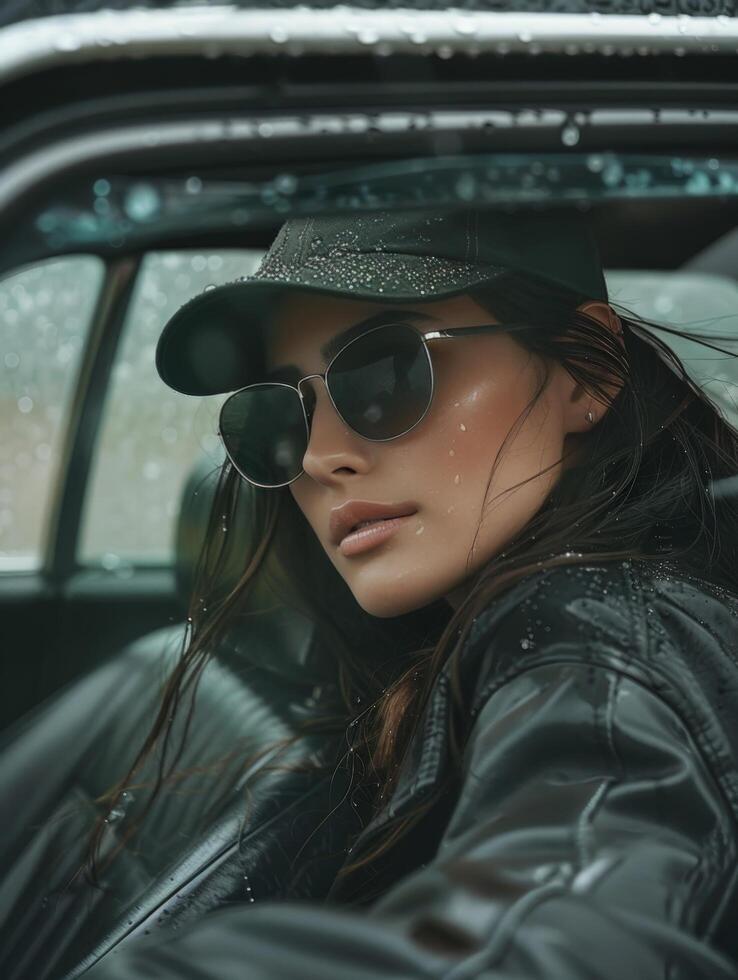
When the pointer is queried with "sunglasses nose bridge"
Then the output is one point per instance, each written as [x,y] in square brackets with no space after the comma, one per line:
[309,377]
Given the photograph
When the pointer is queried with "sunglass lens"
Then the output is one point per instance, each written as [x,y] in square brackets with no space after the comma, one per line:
[264,432]
[382,382]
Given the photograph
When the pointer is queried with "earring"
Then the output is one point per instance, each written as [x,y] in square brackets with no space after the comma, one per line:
[589,416]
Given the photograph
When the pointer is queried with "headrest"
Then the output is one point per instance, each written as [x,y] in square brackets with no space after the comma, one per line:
[280,640]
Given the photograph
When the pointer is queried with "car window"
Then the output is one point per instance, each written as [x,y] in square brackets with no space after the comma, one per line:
[45,315]
[151,436]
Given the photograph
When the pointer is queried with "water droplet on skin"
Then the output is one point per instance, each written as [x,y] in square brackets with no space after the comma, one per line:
[456,404]
[462,426]
[457,479]
[452,452]
[452,508]
[420,529]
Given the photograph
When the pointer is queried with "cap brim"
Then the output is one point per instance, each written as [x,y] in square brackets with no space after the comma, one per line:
[215,342]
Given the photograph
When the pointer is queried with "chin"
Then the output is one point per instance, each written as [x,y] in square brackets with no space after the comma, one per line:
[389,600]
[387,605]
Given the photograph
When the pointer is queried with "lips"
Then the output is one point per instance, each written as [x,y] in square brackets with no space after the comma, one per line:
[345,518]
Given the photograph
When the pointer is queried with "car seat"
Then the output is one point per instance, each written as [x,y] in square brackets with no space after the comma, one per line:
[69,750]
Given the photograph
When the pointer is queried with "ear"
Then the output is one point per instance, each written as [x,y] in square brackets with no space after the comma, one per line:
[581,402]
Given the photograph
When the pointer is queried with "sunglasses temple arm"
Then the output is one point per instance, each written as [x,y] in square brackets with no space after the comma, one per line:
[452,332]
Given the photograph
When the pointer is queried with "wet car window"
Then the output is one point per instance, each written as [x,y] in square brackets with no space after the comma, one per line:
[151,435]
[45,316]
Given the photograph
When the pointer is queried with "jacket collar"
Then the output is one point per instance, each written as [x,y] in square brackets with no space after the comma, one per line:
[426,759]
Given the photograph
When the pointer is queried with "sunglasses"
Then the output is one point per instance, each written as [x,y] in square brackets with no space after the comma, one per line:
[381,385]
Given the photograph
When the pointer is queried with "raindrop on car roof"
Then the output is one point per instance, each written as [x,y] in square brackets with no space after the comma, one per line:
[142,202]
[67,42]
[465,26]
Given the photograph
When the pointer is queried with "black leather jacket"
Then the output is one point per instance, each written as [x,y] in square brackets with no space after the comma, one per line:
[594,832]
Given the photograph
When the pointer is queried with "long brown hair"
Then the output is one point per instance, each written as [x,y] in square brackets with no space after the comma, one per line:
[641,486]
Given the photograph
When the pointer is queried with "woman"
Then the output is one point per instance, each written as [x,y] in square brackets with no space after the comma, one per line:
[534,635]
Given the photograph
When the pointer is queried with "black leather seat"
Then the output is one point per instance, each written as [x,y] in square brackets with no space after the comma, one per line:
[72,748]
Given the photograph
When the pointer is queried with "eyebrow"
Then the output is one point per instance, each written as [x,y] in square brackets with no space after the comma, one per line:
[334,345]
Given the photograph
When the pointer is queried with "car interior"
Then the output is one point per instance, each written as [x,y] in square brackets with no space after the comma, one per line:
[192,160]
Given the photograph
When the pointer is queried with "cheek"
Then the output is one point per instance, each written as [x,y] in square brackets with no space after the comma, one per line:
[467,432]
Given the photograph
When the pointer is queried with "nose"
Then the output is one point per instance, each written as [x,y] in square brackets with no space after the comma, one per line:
[333,448]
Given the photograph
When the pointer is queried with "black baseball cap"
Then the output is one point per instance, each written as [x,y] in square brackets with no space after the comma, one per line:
[215,342]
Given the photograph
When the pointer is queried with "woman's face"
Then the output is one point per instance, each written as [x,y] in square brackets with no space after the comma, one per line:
[482,385]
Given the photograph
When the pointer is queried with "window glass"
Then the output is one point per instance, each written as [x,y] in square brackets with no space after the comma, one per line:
[151,436]
[45,315]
